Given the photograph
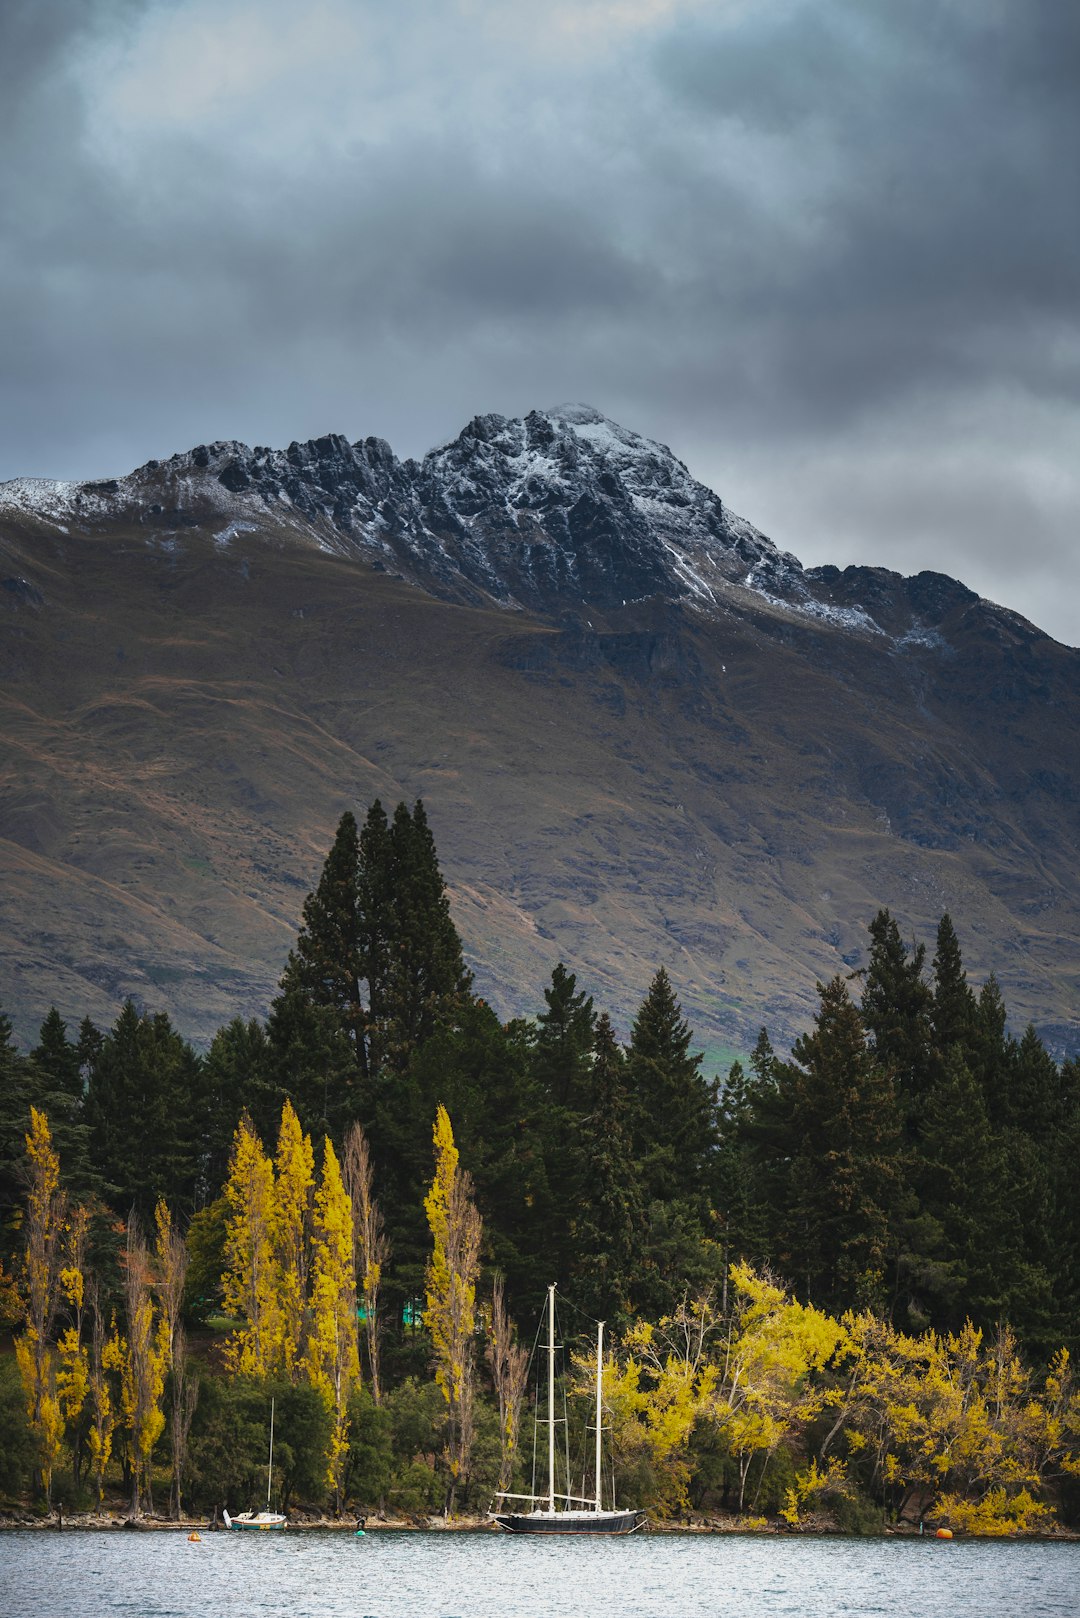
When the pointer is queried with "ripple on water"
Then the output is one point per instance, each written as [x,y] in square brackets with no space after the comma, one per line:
[436,1575]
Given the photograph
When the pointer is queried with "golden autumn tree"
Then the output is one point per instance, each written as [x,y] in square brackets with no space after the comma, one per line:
[106,1364]
[293,1184]
[450,1296]
[171,1257]
[42,1284]
[332,1357]
[371,1241]
[249,1284]
[144,1352]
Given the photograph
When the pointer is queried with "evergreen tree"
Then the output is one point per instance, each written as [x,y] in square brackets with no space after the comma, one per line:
[143,1108]
[611,1206]
[16,1092]
[674,1107]
[562,1053]
[426,970]
[896,1008]
[56,1080]
[953,1012]
[844,1180]
[239,1074]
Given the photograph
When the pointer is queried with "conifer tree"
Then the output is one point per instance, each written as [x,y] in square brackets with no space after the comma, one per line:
[332,1358]
[896,1007]
[16,1095]
[426,969]
[57,1082]
[562,1053]
[609,1224]
[952,1015]
[142,1107]
[673,1106]
[844,1180]
[239,1073]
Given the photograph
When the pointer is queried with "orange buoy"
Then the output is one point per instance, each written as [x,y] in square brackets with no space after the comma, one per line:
[195,1539]
[944,1533]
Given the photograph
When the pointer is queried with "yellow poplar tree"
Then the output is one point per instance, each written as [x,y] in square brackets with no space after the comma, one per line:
[249,1284]
[34,1351]
[170,1252]
[333,1358]
[106,1365]
[450,1313]
[293,1185]
[142,1377]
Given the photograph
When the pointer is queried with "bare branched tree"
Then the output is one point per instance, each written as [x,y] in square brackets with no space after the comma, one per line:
[509,1363]
[371,1242]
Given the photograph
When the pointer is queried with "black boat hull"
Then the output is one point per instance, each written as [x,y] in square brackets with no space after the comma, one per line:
[571,1522]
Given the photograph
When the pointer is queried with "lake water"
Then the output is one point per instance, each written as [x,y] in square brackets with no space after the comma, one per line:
[461,1575]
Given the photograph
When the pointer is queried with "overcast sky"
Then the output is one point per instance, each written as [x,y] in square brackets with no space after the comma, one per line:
[828,250]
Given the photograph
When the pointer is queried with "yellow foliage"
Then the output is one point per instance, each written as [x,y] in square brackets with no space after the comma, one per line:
[996,1515]
[250,1284]
[332,1358]
[294,1180]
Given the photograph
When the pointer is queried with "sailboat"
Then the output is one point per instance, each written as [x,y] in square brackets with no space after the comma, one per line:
[567,1513]
[264,1520]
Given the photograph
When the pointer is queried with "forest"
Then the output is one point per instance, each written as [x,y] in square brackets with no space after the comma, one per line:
[840,1284]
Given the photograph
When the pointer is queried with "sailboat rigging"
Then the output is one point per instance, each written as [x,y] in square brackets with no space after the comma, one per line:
[260,1519]
[551,1517]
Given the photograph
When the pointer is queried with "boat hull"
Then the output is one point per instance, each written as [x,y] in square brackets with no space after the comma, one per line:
[570,1522]
[262,1523]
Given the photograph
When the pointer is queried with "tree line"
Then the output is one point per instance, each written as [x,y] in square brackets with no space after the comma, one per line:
[910,1164]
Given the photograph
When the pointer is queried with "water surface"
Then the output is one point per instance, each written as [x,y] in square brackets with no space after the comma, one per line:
[44,1574]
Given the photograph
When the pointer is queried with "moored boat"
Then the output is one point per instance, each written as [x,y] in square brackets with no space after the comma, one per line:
[260,1521]
[566,1513]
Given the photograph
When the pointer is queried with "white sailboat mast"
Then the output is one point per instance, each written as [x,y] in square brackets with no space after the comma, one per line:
[551,1398]
[270,1468]
[599,1404]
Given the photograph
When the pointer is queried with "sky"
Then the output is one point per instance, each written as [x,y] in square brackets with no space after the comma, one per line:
[827,250]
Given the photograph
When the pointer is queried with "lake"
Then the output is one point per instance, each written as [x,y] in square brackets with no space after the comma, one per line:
[480,1575]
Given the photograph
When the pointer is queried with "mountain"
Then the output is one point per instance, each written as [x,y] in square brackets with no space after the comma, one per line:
[643,734]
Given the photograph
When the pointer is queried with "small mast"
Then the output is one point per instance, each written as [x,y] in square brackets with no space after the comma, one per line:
[551,1398]
[599,1405]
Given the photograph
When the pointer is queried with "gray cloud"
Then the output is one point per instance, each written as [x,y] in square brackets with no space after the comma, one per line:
[827,250]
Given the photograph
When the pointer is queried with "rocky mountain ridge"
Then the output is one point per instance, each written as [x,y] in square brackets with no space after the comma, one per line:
[559,509]
[644,734]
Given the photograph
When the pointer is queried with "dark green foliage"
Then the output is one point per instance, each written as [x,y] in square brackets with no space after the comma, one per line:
[16,1091]
[673,1108]
[57,1088]
[238,1075]
[611,1202]
[144,1111]
[843,1175]
[896,1009]
[376,966]
[17,1453]
[562,1052]
[953,1010]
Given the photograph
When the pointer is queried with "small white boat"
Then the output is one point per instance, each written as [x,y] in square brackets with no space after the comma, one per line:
[547,1515]
[255,1519]
[260,1520]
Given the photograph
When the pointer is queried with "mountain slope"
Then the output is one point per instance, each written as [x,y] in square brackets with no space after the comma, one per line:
[643,734]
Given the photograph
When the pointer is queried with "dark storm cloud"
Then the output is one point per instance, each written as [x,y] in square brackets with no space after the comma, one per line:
[827,250]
